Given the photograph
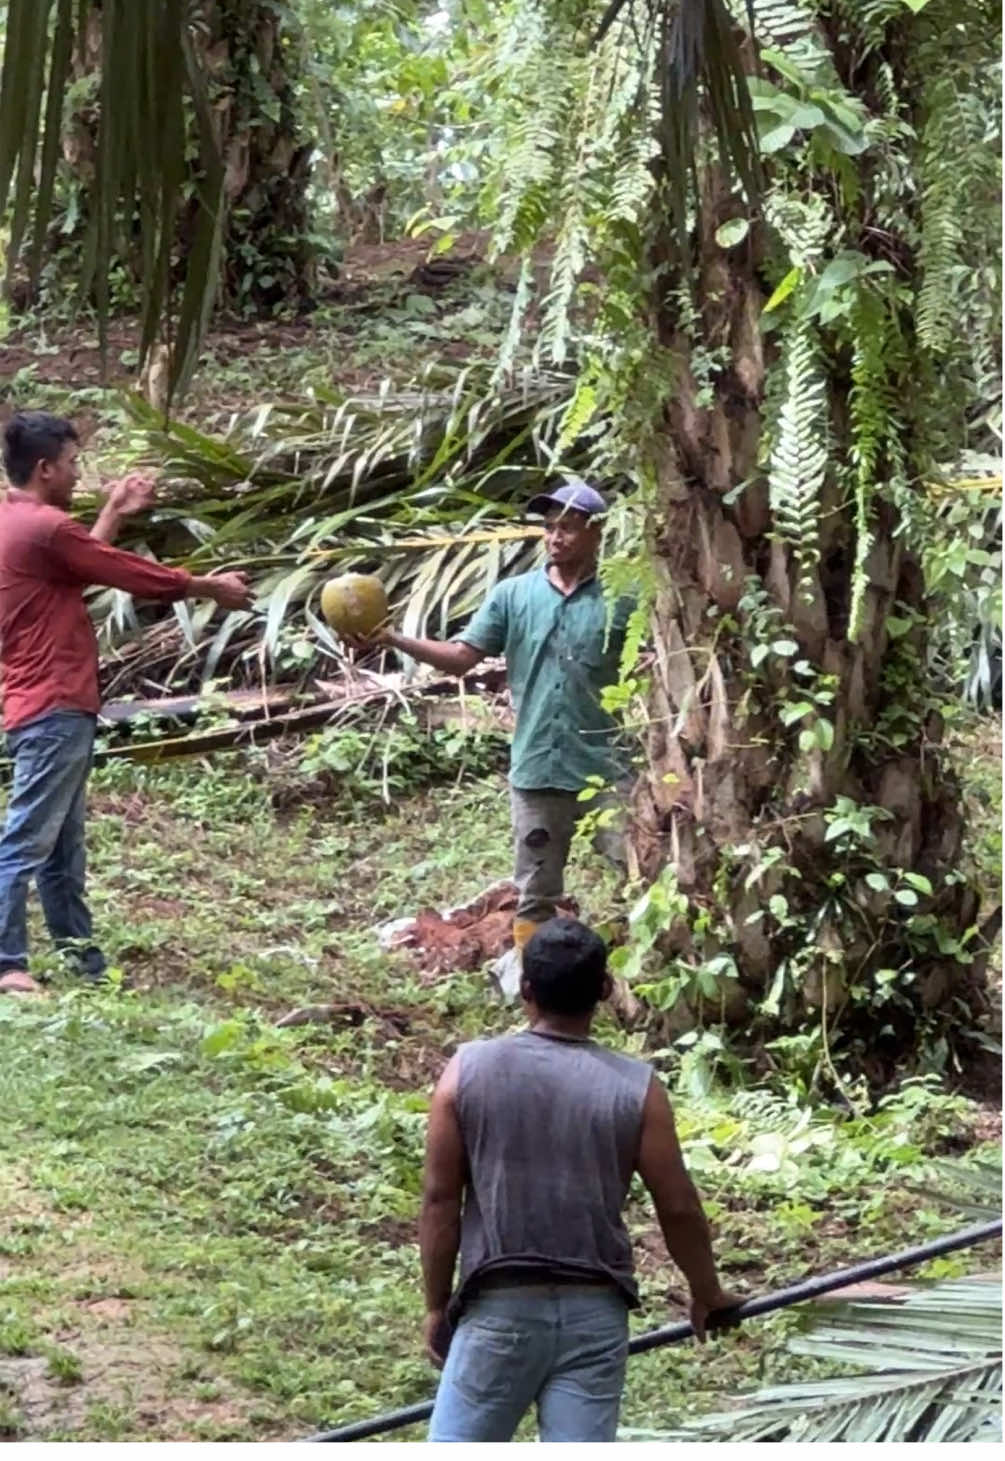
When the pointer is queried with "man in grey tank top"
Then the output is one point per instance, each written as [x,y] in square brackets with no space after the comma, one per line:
[532,1142]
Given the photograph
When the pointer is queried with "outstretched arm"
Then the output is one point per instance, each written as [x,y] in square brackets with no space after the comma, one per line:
[452,656]
[86,560]
[484,635]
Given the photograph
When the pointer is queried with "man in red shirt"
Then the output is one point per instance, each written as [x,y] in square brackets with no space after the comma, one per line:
[50,663]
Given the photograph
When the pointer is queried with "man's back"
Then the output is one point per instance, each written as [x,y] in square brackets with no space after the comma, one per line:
[531,1146]
[551,1130]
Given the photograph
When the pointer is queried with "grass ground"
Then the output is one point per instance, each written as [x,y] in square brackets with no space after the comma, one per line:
[209,1222]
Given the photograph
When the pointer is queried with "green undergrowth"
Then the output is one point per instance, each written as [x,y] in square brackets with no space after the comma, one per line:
[209,1222]
[384,329]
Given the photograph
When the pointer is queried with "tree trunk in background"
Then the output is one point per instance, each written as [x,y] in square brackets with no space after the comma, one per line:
[776,916]
[249,61]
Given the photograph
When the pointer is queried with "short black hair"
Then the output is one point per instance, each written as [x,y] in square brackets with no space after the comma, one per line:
[565,965]
[31,437]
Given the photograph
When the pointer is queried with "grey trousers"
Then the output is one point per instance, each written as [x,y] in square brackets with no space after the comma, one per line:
[543,825]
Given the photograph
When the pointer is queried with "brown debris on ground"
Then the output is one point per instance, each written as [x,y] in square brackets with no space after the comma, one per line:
[354,1015]
[464,939]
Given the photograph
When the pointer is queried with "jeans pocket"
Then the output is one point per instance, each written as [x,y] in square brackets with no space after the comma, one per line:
[489,1349]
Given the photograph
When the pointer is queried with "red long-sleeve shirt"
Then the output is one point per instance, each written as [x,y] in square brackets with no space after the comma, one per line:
[47,641]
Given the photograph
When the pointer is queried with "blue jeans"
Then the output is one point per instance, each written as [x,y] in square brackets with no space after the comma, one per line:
[562,1346]
[44,838]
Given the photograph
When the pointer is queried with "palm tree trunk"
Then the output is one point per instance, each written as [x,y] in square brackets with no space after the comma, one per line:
[269,259]
[815,850]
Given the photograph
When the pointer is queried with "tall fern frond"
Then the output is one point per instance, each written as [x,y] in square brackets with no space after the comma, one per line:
[868,21]
[798,462]
[941,231]
[530,80]
[960,198]
[877,429]
[790,26]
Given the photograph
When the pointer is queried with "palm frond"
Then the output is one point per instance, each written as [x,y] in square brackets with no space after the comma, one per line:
[423,486]
[148,75]
[974,1188]
[933,1372]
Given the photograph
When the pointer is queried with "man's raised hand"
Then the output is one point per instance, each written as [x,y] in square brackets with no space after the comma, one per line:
[130,494]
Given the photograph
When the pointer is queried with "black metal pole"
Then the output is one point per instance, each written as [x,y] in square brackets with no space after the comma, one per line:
[810,1288]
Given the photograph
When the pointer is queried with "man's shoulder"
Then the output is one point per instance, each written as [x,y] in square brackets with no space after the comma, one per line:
[469,1048]
[29,520]
[515,594]
[519,585]
[628,1065]
[488,1048]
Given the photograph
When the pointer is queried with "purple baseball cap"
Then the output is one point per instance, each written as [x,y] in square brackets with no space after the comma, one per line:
[575,494]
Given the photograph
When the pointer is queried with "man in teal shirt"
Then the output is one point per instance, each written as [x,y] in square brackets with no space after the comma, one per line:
[551,624]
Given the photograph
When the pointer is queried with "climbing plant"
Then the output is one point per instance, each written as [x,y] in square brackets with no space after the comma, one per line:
[792,207]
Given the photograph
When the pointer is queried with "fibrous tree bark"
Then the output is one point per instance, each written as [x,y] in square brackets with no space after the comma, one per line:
[249,59]
[798,810]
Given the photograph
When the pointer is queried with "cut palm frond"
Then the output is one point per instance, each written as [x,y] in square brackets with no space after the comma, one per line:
[930,1370]
[424,486]
[974,1187]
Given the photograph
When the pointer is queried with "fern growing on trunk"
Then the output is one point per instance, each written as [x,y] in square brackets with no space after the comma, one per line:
[775,363]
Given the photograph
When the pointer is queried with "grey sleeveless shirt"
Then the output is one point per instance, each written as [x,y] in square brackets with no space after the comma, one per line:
[551,1130]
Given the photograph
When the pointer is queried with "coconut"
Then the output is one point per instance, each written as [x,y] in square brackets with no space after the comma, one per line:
[354,603]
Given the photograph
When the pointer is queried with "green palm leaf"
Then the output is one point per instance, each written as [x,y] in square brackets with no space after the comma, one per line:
[148,72]
[422,485]
[932,1368]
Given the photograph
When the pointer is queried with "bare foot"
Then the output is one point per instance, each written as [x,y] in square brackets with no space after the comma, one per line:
[18,982]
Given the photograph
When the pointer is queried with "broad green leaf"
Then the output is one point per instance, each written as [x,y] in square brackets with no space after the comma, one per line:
[789,714]
[784,289]
[777,137]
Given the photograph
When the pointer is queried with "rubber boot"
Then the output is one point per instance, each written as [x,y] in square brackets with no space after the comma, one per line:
[524,930]
[508,968]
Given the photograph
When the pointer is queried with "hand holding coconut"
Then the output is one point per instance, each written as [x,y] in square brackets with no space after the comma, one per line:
[356,607]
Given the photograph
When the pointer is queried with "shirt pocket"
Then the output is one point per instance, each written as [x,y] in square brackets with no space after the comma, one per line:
[594,651]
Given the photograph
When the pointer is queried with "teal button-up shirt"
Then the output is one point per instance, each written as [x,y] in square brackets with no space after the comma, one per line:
[559,656]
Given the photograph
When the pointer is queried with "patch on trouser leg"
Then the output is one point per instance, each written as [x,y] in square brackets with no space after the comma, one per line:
[537,837]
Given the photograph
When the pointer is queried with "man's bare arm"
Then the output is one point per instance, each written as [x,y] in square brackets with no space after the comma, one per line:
[443,1192]
[678,1207]
[452,656]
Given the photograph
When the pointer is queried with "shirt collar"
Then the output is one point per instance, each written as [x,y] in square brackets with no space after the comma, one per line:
[583,583]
